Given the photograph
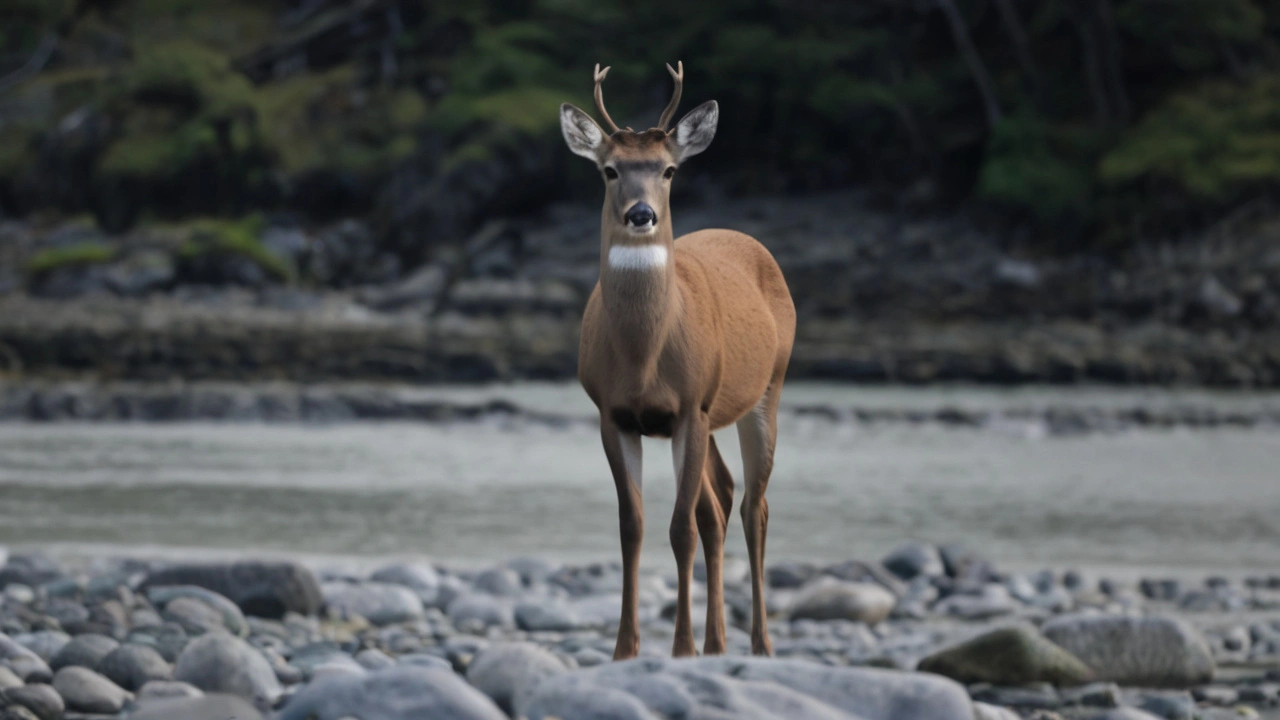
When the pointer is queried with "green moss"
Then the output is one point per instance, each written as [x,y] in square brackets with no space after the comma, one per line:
[89,253]
[1211,142]
[235,237]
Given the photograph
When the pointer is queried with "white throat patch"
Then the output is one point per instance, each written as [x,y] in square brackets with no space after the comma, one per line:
[637,257]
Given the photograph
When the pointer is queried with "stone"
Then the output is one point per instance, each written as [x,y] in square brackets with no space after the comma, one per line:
[259,588]
[85,690]
[1148,651]
[66,612]
[993,600]
[195,617]
[546,616]
[1013,655]
[17,712]
[532,570]
[379,603]
[827,599]
[8,679]
[209,707]
[789,575]
[1096,694]
[168,639]
[230,618]
[1026,697]
[482,609]
[1216,695]
[374,659]
[424,660]
[45,643]
[132,666]
[159,689]
[914,559]
[42,700]
[398,693]
[759,688]
[19,593]
[217,662]
[84,651]
[503,582]
[983,711]
[32,570]
[1170,706]
[509,673]
[30,668]
[1124,713]
[420,577]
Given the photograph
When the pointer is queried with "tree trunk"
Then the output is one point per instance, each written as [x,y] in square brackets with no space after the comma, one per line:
[960,32]
[1111,60]
[1090,53]
[1021,45]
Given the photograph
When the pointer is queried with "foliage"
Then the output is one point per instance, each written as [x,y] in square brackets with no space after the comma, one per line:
[1045,169]
[1212,142]
[87,253]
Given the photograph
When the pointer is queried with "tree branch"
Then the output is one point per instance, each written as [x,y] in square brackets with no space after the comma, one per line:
[960,32]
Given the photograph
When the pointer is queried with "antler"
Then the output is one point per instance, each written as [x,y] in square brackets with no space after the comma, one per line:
[678,76]
[600,74]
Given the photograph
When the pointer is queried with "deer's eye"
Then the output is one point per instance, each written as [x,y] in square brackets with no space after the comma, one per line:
[669,172]
[610,174]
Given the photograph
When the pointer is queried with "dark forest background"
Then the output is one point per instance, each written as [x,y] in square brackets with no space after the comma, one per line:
[1094,122]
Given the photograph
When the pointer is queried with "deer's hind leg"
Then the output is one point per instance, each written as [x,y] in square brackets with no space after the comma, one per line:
[758,434]
[715,502]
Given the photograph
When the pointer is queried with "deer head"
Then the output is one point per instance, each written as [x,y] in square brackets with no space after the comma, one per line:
[638,167]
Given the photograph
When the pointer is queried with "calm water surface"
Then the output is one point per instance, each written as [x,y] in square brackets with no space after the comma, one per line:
[1173,499]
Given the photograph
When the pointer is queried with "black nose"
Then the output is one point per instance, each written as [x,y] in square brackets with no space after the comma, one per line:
[640,215]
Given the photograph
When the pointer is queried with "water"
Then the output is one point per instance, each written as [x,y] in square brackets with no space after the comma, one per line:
[1134,501]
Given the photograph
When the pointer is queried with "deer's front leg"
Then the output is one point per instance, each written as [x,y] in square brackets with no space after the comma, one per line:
[624,454]
[689,450]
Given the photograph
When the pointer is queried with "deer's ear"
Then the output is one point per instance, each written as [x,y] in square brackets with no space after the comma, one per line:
[583,136]
[694,131]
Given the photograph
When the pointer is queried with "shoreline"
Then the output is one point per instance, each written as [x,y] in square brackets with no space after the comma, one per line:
[923,620]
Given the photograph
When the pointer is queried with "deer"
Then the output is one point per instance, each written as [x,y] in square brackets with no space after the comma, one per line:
[680,337]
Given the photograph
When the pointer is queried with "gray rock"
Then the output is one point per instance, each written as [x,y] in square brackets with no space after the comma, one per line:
[160,689]
[1148,651]
[510,672]
[42,700]
[85,690]
[374,659]
[230,618]
[17,712]
[420,577]
[195,617]
[1015,655]
[209,707]
[722,687]
[45,643]
[168,639]
[310,658]
[546,616]
[8,679]
[30,668]
[1170,706]
[481,609]
[132,666]
[503,582]
[827,599]
[789,575]
[19,593]
[379,603]
[992,601]
[399,693]
[426,660]
[260,589]
[66,612]
[221,663]
[84,651]
[1098,694]
[914,559]
[1216,695]
[983,711]
[1124,713]
[1027,697]
[32,570]
[532,570]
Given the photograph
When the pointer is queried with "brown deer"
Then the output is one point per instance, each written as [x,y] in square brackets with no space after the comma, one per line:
[680,337]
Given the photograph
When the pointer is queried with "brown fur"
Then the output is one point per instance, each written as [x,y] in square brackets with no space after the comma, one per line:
[679,352]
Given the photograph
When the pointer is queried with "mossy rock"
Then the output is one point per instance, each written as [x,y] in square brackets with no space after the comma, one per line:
[211,244]
[78,255]
[1014,655]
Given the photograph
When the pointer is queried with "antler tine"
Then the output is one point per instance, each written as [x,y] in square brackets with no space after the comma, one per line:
[600,75]
[678,76]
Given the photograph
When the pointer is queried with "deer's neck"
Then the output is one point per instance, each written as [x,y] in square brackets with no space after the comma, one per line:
[640,295]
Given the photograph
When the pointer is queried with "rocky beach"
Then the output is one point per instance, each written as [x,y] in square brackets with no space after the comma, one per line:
[924,632]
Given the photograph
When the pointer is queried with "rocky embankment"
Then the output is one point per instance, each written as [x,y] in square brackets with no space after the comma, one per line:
[335,403]
[881,297]
[928,632]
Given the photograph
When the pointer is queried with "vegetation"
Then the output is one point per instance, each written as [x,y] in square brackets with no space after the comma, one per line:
[1086,118]
[54,258]
[214,238]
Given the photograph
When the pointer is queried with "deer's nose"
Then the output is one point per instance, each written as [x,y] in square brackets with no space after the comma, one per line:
[640,215]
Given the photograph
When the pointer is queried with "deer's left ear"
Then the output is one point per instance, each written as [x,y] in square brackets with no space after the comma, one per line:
[694,131]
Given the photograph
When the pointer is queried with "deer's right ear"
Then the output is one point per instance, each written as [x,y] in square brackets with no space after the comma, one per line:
[583,136]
